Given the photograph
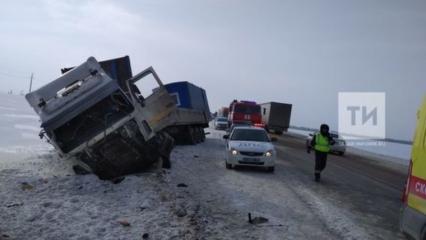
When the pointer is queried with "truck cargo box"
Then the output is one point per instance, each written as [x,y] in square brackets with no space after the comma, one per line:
[192,114]
[187,95]
[276,116]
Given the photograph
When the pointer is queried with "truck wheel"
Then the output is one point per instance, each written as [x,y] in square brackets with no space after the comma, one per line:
[279,132]
[270,169]
[341,153]
[199,136]
[190,136]
[166,162]
[267,129]
[228,166]
[80,170]
[203,135]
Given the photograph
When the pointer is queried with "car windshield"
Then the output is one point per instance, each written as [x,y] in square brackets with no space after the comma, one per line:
[221,119]
[238,125]
[257,135]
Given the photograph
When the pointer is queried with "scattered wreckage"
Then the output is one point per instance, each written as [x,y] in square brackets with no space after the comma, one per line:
[101,118]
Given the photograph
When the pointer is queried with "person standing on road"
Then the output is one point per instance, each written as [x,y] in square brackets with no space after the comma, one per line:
[321,143]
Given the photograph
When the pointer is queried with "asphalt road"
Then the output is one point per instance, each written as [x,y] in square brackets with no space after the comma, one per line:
[366,186]
[358,198]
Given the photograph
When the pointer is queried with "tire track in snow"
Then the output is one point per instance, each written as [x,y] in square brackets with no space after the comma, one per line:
[335,219]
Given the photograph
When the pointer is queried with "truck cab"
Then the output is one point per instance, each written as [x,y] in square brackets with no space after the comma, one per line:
[245,112]
[108,126]
[413,211]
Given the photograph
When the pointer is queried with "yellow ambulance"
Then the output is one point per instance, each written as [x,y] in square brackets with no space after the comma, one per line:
[413,211]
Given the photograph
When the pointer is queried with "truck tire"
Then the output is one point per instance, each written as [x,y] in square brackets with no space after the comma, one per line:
[270,169]
[203,134]
[166,163]
[279,132]
[267,129]
[191,136]
[228,166]
[197,134]
[98,166]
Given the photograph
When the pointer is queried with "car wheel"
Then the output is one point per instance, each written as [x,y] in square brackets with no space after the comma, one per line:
[228,166]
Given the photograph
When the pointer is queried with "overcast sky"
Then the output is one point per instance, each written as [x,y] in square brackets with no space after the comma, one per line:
[300,52]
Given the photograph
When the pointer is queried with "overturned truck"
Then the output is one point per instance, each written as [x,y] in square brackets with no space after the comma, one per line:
[106,124]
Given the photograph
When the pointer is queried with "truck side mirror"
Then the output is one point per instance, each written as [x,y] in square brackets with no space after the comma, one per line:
[226,136]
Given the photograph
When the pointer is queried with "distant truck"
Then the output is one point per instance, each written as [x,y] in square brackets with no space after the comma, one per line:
[192,114]
[106,124]
[223,112]
[245,112]
[276,116]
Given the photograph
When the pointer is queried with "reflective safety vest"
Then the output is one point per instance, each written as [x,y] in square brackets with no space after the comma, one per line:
[321,143]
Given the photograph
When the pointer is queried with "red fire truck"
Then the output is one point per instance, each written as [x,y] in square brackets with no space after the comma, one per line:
[245,112]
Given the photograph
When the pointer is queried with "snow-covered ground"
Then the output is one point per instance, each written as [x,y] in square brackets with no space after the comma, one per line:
[295,206]
[41,198]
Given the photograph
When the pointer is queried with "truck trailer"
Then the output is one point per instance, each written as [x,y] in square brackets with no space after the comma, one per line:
[109,127]
[192,114]
[276,116]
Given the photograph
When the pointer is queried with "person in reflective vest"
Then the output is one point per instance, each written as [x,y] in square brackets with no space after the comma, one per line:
[321,143]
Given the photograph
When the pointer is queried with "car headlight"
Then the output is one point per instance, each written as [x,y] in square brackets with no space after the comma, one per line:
[268,153]
[234,152]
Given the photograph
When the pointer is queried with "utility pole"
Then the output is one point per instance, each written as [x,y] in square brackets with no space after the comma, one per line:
[31,81]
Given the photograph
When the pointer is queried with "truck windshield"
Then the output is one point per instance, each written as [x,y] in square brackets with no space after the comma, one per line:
[257,135]
[247,109]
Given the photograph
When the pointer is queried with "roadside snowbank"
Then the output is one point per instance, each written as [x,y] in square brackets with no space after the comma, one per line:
[388,151]
[84,207]
[42,198]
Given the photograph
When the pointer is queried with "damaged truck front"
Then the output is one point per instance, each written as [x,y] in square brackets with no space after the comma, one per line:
[111,130]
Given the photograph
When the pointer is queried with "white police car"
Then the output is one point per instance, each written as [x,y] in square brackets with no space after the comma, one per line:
[250,146]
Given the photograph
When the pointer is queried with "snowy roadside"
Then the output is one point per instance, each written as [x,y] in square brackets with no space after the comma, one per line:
[386,152]
[42,198]
[376,154]
[84,207]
